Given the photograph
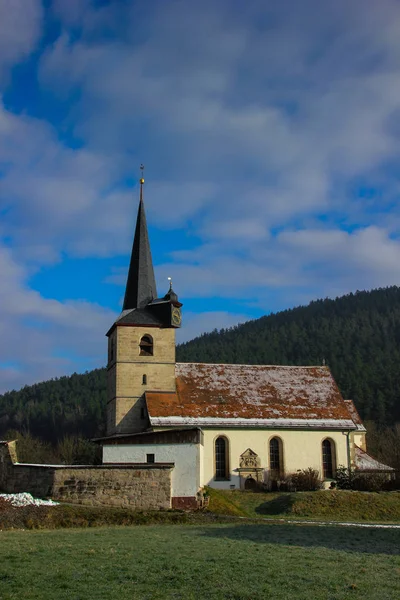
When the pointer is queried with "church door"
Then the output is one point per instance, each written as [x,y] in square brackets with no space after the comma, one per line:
[250,484]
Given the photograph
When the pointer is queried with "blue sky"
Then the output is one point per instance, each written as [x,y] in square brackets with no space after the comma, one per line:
[270,134]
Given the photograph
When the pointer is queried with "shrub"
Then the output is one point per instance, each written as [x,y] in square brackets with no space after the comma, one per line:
[78,451]
[31,449]
[363,482]
[343,480]
[369,482]
[71,450]
[305,480]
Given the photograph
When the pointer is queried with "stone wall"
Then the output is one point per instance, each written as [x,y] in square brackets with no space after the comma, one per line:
[184,478]
[142,487]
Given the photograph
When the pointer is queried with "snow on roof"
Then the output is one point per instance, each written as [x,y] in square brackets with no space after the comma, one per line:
[257,395]
[365,462]
[237,422]
[354,414]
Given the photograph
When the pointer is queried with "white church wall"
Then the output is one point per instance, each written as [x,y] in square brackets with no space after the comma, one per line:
[301,449]
[359,440]
[201,467]
[185,480]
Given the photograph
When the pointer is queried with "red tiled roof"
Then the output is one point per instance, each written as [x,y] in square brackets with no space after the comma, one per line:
[354,414]
[230,394]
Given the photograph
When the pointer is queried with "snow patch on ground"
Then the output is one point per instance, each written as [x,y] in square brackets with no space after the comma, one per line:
[25,499]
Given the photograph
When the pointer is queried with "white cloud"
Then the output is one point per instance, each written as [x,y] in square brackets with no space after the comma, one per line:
[59,199]
[170,205]
[294,268]
[197,323]
[365,258]
[237,229]
[215,274]
[20,28]
[72,12]
[89,16]
[42,337]
[273,105]
[256,121]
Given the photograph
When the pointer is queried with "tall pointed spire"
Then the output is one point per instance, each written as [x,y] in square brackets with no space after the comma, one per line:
[141,285]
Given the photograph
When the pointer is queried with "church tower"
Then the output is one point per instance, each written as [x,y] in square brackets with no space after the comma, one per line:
[141,342]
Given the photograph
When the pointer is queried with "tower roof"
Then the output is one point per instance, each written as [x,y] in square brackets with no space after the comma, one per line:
[141,285]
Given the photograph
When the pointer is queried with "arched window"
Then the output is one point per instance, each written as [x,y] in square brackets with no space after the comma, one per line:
[221,458]
[144,379]
[146,346]
[275,457]
[328,459]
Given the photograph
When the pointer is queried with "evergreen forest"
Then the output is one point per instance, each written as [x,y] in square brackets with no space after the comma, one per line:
[357,336]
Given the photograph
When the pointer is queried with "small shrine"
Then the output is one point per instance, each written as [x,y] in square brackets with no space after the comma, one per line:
[250,470]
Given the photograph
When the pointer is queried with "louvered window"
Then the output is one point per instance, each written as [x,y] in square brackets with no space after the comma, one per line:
[146,346]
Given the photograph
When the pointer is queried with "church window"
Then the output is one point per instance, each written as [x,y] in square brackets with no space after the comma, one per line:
[150,458]
[328,458]
[146,346]
[144,380]
[221,459]
[275,456]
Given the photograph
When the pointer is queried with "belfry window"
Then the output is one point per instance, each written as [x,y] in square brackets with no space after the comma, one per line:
[221,458]
[328,459]
[146,346]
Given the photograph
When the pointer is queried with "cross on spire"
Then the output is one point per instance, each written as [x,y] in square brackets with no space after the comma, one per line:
[141,181]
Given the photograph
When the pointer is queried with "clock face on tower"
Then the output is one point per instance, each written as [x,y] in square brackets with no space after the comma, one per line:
[176,316]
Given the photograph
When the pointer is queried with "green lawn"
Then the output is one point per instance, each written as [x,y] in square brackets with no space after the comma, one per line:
[232,561]
[337,505]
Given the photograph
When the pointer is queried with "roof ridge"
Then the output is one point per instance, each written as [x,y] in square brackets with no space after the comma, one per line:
[255,366]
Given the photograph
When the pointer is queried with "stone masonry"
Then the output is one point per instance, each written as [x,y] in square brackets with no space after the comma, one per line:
[125,375]
[142,487]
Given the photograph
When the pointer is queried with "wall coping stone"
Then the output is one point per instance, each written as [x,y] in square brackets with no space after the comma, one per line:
[131,466]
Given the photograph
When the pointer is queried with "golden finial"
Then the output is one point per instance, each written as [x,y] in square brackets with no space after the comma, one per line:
[141,181]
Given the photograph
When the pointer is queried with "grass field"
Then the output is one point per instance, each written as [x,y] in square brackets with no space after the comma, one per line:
[233,561]
[324,505]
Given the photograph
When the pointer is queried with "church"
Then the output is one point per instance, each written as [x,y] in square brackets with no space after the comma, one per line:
[221,425]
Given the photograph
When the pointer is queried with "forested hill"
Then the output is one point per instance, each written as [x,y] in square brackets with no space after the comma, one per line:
[357,335]
[57,408]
